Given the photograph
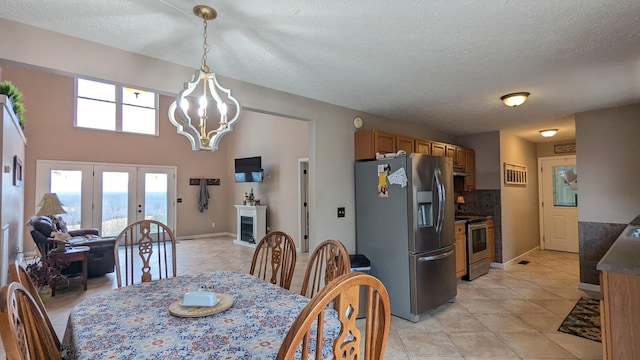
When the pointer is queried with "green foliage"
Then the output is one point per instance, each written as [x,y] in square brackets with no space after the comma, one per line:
[9,89]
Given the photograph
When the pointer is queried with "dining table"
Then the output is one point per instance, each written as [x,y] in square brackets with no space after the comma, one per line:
[134,322]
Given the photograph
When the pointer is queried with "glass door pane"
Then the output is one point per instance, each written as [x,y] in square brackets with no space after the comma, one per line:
[155,197]
[115,202]
[68,185]
[565,186]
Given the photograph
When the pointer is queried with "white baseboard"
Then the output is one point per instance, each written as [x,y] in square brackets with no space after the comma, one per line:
[588,287]
[517,258]
[202,236]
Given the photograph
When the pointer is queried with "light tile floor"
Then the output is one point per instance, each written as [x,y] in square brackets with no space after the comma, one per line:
[506,314]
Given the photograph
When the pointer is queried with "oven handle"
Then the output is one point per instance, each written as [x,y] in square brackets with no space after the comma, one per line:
[436,257]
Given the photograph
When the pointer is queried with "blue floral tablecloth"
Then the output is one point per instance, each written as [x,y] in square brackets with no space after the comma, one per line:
[134,322]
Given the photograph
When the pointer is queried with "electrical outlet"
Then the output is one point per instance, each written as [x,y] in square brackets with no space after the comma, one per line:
[341,212]
[213,224]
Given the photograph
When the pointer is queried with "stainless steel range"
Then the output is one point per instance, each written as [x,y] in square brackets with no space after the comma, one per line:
[477,251]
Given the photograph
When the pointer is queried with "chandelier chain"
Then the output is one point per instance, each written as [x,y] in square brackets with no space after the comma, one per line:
[205,47]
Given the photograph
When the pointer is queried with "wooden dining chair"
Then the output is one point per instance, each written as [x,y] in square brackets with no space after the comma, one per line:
[17,273]
[328,261]
[145,251]
[275,259]
[24,332]
[307,336]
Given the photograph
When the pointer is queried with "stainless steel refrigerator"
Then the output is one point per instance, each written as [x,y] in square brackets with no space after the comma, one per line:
[405,226]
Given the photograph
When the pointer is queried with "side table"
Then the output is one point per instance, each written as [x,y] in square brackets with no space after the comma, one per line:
[70,255]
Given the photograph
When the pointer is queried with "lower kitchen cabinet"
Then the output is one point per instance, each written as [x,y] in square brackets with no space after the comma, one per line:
[461,250]
[491,244]
[620,315]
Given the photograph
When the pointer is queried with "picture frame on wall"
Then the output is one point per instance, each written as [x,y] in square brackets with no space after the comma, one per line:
[17,171]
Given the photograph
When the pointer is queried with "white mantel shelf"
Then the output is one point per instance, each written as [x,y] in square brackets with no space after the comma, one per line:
[258,215]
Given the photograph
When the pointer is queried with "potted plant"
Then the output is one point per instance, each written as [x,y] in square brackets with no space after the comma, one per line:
[43,273]
[9,89]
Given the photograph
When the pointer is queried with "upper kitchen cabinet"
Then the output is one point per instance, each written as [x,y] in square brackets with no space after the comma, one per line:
[438,149]
[372,141]
[405,143]
[423,146]
[470,169]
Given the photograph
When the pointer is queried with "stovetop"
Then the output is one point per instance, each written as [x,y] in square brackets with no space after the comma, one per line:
[471,218]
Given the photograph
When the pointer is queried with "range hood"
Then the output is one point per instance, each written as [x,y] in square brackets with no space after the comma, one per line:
[460,173]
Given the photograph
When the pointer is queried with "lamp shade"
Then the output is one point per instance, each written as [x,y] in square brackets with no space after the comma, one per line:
[460,199]
[50,205]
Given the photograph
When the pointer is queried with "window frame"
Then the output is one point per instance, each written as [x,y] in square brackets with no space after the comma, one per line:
[119,104]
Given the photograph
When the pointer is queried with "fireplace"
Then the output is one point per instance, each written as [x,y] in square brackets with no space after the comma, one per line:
[246,229]
[251,224]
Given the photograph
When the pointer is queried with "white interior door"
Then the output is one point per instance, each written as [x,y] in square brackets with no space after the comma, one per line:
[558,203]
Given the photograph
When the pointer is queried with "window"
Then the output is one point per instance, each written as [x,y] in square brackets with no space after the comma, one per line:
[105,106]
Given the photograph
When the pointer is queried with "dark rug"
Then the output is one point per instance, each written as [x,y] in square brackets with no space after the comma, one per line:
[584,320]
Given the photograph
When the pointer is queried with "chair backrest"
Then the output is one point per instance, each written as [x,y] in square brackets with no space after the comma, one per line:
[275,259]
[147,252]
[24,332]
[17,273]
[328,261]
[344,293]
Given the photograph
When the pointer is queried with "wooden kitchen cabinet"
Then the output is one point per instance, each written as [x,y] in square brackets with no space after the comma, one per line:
[460,159]
[619,315]
[470,169]
[438,149]
[461,250]
[405,143]
[450,151]
[491,244]
[369,142]
[423,146]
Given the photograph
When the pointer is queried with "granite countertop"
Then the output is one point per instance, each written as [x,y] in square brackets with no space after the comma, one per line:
[624,254]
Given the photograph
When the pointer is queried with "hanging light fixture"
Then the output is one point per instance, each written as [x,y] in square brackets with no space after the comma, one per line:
[548,132]
[515,99]
[212,100]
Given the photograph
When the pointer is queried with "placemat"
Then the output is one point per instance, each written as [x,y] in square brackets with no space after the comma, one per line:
[225,302]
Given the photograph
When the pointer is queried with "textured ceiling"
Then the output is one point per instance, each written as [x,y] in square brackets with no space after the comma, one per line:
[445,63]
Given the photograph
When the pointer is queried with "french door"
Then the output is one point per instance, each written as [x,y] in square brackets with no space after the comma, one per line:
[109,196]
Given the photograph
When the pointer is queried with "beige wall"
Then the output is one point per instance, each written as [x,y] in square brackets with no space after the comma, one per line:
[608,155]
[281,143]
[520,224]
[50,102]
[487,147]
[330,127]
[548,149]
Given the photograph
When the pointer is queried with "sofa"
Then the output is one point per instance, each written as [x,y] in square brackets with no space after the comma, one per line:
[101,254]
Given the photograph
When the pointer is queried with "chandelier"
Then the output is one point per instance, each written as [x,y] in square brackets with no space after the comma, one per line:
[211,100]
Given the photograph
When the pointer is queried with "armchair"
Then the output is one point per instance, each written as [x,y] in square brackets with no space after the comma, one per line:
[101,258]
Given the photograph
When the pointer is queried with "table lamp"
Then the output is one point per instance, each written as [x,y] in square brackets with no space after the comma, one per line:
[50,206]
[460,201]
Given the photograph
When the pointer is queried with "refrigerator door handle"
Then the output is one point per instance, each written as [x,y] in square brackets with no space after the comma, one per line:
[436,257]
[440,189]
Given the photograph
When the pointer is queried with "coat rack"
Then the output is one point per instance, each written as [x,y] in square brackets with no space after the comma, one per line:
[193,181]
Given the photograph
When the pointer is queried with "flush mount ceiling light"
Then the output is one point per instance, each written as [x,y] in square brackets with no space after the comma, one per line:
[514,99]
[212,100]
[548,132]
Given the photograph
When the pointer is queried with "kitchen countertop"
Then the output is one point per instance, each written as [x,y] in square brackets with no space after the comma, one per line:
[624,254]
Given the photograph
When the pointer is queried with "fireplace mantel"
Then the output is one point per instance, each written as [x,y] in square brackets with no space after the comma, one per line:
[251,224]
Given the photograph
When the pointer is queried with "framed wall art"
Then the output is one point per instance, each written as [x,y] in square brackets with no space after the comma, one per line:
[17,171]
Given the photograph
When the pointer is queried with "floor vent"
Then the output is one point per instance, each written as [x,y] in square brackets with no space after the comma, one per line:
[524,262]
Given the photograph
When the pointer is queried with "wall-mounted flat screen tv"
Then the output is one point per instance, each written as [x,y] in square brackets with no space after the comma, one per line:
[249,169]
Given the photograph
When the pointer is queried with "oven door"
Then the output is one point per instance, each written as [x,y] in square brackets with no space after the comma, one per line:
[477,242]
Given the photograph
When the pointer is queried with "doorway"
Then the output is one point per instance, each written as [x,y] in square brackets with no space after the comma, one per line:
[303,203]
[109,196]
[558,199]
